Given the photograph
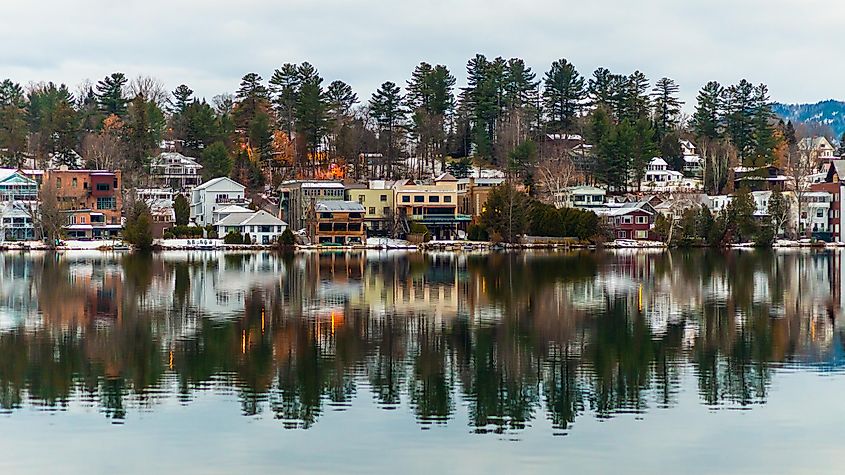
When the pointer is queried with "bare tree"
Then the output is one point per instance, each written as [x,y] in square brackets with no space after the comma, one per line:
[101,151]
[555,176]
[801,162]
[719,156]
[151,88]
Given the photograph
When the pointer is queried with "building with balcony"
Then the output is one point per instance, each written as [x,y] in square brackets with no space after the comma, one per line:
[213,194]
[377,199]
[298,196]
[174,170]
[92,200]
[434,205]
[15,185]
[16,223]
[583,196]
[336,222]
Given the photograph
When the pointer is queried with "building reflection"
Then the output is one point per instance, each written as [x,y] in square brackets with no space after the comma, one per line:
[506,336]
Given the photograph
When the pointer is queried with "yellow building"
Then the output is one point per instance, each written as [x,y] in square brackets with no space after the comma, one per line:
[377,199]
[434,205]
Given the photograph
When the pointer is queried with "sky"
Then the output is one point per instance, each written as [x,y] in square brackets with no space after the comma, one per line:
[210,44]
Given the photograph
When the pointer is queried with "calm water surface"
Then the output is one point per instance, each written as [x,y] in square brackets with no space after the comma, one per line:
[633,362]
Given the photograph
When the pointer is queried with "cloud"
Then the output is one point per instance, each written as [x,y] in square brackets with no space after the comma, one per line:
[210,44]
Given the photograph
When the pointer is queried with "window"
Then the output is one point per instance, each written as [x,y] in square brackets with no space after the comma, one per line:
[355,227]
[626,220]
[387,210]
[98,218]
[107,202]
[434,199]
[383,197]
[361,199]
[406,199]
[326,215]
[819,213]
[58,182]
[74,182]
[419,199]
[324,227]
[355,215]
[642,220]
[372,210]
[102,187]
[447,199]
[641,234]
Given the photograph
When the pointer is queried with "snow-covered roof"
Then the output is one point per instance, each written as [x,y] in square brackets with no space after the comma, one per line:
[258,218]
[658,161]
[232,209]
[339,205]
[446,176]
[167,158]
[322,184]
[586,189]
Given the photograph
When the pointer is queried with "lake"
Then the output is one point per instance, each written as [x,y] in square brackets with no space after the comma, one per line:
[379,362]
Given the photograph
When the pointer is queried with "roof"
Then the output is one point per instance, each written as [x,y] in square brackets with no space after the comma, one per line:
[446,176]
[258,218]
[338,205]
[171,157]
[232,209]
[658,161]
[322,184]
[625,208]
[215,181]
[594,190]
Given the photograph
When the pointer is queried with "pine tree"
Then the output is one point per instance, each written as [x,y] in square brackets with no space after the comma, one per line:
[144,126]
[181,99]
[110,95]
[643,148]
[13,124]
[181,209]
[563,95]
[738,106]
[312,120]
[667,107]
[252,97]
[386,107]
[197,126]
[216,161]
[600,88]
[765,139]
[635,102]
[707,118]
[430,102]
[284,86]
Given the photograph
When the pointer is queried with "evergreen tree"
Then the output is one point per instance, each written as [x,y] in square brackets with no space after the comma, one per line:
[643,148]
[197,126]
[13,124]
[667,106]
[181,209]
[252,97]
[284,86]
[738,106]
[635,103]
[707,118]
[312,119]
[261,137]
[506,213]
[216,161]
[601,88]
[386,107]
[430,102]
[181,99]
[563,95]
[144,126]
[138,229]
[53,123]
[766,140]
[110,95]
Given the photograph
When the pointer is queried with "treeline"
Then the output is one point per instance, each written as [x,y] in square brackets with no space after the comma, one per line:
[294,123]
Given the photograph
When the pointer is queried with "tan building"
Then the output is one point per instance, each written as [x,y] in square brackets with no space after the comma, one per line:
[473,194]
[434,205]
[92,200]
[377,199]
[335,222]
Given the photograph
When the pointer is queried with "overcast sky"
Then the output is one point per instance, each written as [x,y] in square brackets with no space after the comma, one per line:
[792,46]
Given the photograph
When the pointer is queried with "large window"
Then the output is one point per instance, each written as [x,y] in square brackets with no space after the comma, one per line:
[447,199]
[419,199]
[107,202]
[434,199]
[102,187]
[406,199]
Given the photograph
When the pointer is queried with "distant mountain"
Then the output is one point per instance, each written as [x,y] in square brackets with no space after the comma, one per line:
[830,113]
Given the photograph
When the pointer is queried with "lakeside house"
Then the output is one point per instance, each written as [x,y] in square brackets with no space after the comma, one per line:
[631,220]
[214,194]
[581,196]
[92,201]
[473,194]
[261,226]
[376,196]
[433,204]
[297,197]
[336,222]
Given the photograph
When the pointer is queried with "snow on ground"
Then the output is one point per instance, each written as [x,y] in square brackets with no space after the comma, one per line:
[388,243]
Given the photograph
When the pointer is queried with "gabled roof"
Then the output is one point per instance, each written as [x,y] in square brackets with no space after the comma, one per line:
[836,167]
[232,209]
[12,175]
[176,157]
[219,180]
[446,176]
[258,218]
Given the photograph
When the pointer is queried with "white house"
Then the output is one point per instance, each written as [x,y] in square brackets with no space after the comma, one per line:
[658,172]
[214,194]
[176,171]
[817,149]
[262,227]
[815,212]
[583,196]
[16,222]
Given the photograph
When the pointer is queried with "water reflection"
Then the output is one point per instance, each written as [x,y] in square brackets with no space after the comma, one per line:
[510,337]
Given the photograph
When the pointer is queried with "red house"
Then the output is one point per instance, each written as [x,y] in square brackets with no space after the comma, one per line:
[630,220]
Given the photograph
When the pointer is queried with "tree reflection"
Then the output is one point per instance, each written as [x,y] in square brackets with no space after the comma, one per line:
[504,336]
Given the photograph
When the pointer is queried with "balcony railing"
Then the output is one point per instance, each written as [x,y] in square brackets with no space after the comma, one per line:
[441,218]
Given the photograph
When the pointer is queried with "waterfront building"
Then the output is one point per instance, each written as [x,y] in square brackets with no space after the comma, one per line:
[213,194]
[473,194]
[262,227]
[92,200]
[434,205]
[581,196]
[377,199]
[298,196]
[336,222]
[632,220]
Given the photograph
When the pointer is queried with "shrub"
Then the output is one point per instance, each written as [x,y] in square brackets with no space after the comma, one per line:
[287,238]
[233,238]
[247,239]
[477,232]
[168,235]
